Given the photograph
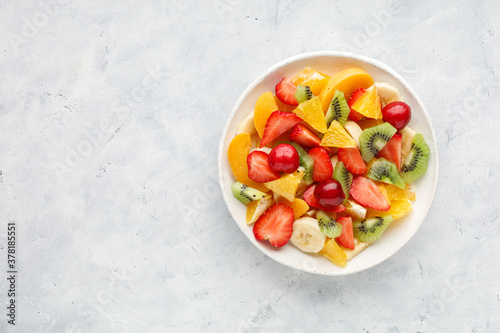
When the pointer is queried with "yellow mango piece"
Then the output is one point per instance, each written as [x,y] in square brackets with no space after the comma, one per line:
[237,154]
[346,81]
[333,252]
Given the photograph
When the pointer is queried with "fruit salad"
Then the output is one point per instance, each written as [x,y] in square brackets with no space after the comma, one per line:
[327,163]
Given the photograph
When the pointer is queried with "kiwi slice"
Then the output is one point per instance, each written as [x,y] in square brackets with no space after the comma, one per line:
[306,162]
[338,110]
[373,139]
[344,177]
[370,229]
[415,164]
[328,226]
[303,93]
[384,171]
[246,194]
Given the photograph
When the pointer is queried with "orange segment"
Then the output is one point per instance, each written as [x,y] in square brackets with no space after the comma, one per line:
[399,208]
[237,154]
[312,78]
[369,104]
[382,189]
[257,207]
[312,114]
[333,252]
[337,136]
[266,104]
[287,185]
[395,193]
[299,206]
[346,81]
[367,123]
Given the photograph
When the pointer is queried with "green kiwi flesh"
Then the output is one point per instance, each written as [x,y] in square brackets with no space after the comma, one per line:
[372,228]
[246,194]
[344,177]
[338,110]
[306,162]
[303,93]
[415,164]
[384,171]
[328,226]
[373,139]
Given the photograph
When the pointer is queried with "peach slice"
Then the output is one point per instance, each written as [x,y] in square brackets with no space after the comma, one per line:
[266,104]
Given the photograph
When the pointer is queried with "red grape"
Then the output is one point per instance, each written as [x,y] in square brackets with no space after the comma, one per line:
[398,114]
[284,157]
[328,193]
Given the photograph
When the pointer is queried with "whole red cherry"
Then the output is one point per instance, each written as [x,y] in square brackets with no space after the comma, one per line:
[284,157]
[328,193]
[398,114]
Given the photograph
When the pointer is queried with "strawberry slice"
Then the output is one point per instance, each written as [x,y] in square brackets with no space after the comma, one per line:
[285,91]
[304,137]
[258,167]
[311,201]
[322,168]
[354,115]
[367,194]
[278,123]
[352,160]
[392,150]
[346,238]
[275,225]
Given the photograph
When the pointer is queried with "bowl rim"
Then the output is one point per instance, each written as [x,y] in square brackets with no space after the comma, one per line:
[313,54]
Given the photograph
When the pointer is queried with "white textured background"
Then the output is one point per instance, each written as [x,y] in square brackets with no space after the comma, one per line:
[110,117]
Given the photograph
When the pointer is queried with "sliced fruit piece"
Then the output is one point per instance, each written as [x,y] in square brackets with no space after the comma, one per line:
[353,114]
[395,193]
[351,157]
[312,78]
[383,190]
[255,209]
[237,154]
[299,206]
[258,167]
[336,136]
[284,157]
[369,122]
[307,236]
[368,104]
[286,185]
[266,104]
[387,93]
[328,226]
[303,93]
[246,125]
[275,225]
[399,208]
[333,252]
[346,237]
[367,194]
[322,168]
[407,135]
[347,81]
[370,229]
[278,123]
[246,194]
[338,110]
[358,248]
[312,114]
[356,211]
[354,130]
[384,171]
[303,136]
[285,91]
[306,162]
[415,164]
[374,139]
[392,150]
[344,177]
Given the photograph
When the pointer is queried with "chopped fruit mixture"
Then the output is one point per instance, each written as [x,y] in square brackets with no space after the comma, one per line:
[328,163]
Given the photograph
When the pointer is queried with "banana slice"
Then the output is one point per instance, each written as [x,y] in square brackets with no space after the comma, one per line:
[356,211]
[387,93]
[334,160]
[407,135]
[307,236]
[354,130]
[246,125]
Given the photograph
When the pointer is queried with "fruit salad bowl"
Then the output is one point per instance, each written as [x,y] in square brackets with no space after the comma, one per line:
[400,231]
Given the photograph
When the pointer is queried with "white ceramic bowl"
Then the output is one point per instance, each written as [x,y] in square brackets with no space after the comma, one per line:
[399,232]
